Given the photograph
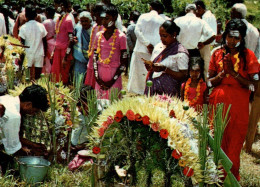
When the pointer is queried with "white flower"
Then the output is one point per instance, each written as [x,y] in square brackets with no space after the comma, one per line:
[171,143]
[63,155]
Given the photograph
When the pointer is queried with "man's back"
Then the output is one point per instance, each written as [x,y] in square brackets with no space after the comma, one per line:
[147,30]
[192,30]
[33,32]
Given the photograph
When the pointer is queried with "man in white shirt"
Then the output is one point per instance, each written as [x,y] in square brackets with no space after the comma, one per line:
[208,17]
[32,34]
[239,11]
[30,101]
[195,33]
[147,34]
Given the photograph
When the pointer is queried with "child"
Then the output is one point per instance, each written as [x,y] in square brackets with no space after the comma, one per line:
[32,34]
[194,90]
[110,56]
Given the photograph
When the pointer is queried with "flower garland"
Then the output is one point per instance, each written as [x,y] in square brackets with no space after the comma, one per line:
[171,119]
[90,48]
[186,96]
[108,59]
[58,24]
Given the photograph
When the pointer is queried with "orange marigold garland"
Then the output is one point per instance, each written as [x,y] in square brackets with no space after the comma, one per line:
[90,48]
[186,91]
[108,59]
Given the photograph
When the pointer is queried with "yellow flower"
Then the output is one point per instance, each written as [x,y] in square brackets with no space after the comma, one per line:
[182,163]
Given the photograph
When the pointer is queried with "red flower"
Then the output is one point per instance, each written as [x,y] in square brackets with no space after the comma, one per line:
[138,117]
[96,150]
[164,133]
[110,120]
[146,120]
[101,131]
[188,172]
[155,127]
[172,114]
[118,117]
[130,115]
[176,154]
[105,124]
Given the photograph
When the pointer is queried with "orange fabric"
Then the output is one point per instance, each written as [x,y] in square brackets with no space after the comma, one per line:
[192,94]
[230,92]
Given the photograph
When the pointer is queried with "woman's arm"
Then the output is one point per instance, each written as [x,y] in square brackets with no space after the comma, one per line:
[182,63]
[215,78]
[229,69]
[120,69]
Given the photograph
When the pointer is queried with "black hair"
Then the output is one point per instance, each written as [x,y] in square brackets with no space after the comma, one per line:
[99,7]
[237,24]
[66,3]
[200,3]
[111,10]
[30,12]
[76,7]
[135,15]
[80,10]
[171,27]
[50,11]
[156,5]
[196,60]
[37,95]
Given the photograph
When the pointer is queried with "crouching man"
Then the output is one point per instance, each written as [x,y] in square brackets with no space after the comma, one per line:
[12,110]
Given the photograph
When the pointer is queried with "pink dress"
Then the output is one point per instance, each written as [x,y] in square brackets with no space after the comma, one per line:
[62,40]
[90,76]
[49,25]
[107,71]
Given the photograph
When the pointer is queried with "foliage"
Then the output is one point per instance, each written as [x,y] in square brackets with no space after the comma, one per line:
[131,149]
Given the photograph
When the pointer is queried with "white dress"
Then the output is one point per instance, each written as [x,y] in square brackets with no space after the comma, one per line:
[147,32]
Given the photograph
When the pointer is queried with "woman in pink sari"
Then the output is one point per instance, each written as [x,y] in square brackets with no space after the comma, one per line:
[62,52]
[110,56]
[90,77]
[49,25]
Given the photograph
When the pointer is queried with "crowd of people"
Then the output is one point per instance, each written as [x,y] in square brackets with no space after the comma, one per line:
[175,54]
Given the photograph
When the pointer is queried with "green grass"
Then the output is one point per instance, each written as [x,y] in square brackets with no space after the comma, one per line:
[253,12]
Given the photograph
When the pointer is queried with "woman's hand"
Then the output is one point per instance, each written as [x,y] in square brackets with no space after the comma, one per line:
[227,65]
[158,67]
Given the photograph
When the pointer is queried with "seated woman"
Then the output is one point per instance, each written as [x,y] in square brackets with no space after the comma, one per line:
[169,65]
[232,71]
[82,32]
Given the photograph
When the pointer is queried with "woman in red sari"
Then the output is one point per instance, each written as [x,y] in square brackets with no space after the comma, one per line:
[232,72]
